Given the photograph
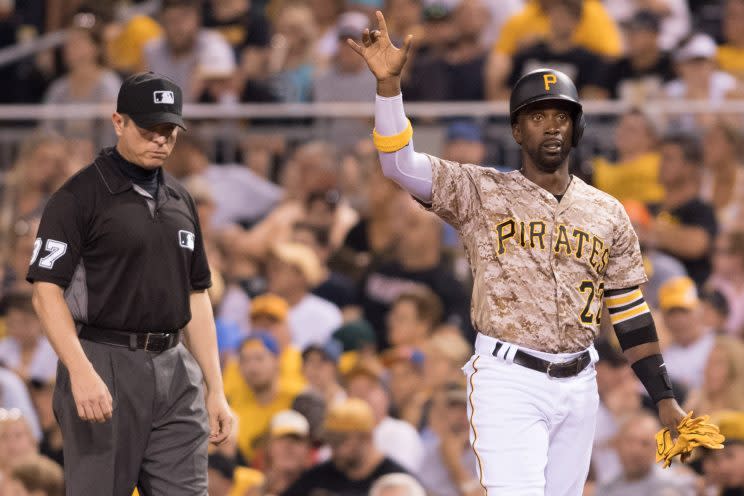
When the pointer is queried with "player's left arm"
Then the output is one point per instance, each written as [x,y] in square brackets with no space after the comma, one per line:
[632,320]
[636,332]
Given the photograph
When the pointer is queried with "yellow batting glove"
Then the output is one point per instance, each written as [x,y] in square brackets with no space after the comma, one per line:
[693,432]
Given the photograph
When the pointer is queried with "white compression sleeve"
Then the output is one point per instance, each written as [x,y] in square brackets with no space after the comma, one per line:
[406,167]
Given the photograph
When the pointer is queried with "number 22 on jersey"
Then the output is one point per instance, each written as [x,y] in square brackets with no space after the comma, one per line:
[592,311]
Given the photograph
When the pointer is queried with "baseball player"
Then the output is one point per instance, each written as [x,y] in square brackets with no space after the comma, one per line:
[546,251]
[120,277]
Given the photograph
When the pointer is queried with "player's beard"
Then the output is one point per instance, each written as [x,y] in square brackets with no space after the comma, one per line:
[549,162]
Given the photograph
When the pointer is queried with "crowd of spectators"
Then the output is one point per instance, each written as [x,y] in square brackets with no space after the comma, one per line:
[342,307]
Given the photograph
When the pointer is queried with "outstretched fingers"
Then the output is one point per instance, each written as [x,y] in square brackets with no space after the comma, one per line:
[381,22]
[354,46]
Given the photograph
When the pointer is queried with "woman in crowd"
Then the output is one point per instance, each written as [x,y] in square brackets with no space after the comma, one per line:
[723,385]
[292,54]
[723,179]
[87,79]
[728,278]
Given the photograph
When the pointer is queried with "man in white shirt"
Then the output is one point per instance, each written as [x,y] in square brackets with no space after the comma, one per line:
[395,438]
[293,270]
[686,357]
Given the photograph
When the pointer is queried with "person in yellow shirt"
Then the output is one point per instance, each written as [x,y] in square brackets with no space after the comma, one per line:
[730,56]
[268,314]
[635,175]
[596,32]
[262,394]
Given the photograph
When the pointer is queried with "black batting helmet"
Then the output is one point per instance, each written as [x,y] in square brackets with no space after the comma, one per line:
[547,84]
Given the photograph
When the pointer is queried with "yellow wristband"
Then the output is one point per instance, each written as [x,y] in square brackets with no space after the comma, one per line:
[391,144]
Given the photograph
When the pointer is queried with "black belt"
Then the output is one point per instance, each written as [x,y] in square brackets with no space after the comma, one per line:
[558,370]
[156,342]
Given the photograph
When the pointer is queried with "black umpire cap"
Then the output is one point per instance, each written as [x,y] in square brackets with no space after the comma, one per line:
[151,99]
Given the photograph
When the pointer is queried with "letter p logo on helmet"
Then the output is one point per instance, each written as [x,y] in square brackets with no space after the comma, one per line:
[549,79]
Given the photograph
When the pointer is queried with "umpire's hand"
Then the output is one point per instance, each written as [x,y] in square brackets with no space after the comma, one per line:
[220,417]
[92,397]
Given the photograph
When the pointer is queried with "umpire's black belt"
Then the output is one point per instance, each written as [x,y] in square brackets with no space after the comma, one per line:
[156,342]
[558,370]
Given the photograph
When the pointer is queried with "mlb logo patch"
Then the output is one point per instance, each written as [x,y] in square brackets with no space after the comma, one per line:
[166,97]
[186,239]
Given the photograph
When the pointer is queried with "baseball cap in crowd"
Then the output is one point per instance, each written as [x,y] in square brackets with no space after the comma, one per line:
[270,305]
[731,425]
[644,20]
[464,130]
[301,257]
[355,335]
[263,340]
[349,415]
[678,292]
[330,350]
[698,46]
[151,99]
[439,10]
[289,423]
[351,25]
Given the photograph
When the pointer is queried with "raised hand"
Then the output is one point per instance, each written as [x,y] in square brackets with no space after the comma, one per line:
[384,59]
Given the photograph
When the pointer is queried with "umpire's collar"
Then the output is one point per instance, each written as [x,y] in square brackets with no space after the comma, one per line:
[116,182]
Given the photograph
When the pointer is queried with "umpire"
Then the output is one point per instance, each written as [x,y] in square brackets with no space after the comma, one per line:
[120,278]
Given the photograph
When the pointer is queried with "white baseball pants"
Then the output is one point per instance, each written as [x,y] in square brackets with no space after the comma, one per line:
[531,434]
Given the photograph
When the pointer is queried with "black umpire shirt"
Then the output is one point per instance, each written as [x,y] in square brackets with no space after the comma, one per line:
[127,261]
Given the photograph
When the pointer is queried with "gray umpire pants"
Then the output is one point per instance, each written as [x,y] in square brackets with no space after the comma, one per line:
[158,435]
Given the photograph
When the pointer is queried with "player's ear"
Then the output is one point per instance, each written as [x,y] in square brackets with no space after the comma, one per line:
[517,132]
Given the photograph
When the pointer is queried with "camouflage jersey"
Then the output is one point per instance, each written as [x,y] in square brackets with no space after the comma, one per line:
[540,266]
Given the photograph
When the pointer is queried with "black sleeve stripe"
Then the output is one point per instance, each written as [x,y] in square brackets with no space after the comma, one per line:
[630,305]
[615,292]
[637,338]
[634,324]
